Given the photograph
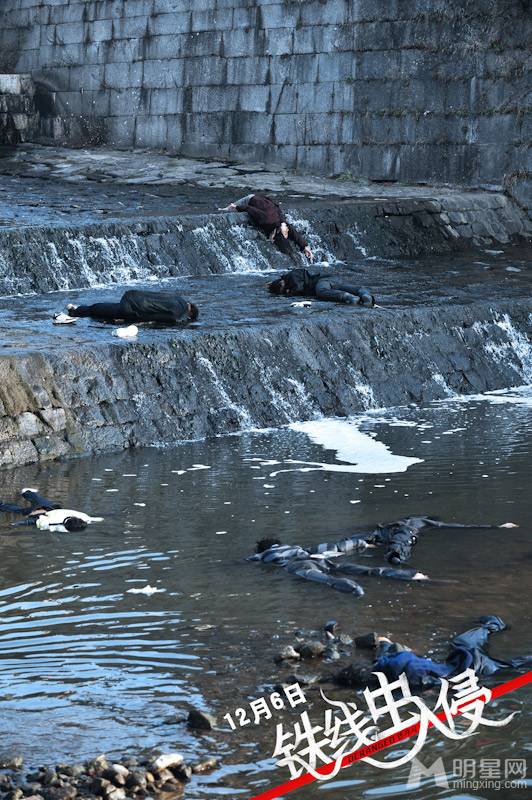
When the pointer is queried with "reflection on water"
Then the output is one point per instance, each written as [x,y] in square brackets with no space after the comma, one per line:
[97,661]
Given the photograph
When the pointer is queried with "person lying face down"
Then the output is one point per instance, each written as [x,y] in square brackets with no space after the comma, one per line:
[316,564]
[303,282]
[269,217]
[46,515]
[137,305]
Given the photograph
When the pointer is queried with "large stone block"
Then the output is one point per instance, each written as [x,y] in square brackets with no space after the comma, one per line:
[88,77]
[101,30]
[69,32]
[203,43]
[254,98]
[174,132]
[245,17]
[248,70]
[123,75]
[123,102]
[290,129]
[248,127]
[210,71]
[204,128]
[336,67]
[283,98]
[333,12]
[294,69]
[121,50]
[241,42]
[130,27]
[163,74]
[160,48]
[279,42]
[120,131]
[315,97]
[280,15]
[166,101]
[163,24]
[150,131]
[206,99]
[212,20]
[71,12]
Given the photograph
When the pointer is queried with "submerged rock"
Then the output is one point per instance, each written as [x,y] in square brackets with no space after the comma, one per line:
[166,761]
[201,721]
[287,654]
[163,777]
[11,762]
[310,649]
[204,766]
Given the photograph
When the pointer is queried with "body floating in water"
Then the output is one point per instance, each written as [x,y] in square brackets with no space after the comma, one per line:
[46,515]
[318,563]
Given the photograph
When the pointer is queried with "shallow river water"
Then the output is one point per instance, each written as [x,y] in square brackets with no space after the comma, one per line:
[88,664]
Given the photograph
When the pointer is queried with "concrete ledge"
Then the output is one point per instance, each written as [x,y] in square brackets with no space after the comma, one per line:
[41,259]
[92,399]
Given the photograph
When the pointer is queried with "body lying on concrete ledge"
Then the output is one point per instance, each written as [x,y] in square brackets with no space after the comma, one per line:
[324,286]
[137,305]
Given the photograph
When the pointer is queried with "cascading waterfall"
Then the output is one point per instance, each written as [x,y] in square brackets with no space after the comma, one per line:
[51,259]
[513,347]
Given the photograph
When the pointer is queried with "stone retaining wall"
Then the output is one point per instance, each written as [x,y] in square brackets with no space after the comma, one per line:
[18,115]
[389,89]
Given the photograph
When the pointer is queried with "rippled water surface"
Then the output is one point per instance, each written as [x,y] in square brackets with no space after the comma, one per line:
[88,664]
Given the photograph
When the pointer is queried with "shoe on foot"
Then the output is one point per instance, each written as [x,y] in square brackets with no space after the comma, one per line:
[71,307]
[62,319]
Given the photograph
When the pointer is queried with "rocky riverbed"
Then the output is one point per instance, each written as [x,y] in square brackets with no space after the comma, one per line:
[163,776]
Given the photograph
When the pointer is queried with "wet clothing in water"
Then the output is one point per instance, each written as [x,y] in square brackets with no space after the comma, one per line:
[268,216]
[399,538]
[316,564]
[46,514]
[468,650]
[323,286]
[136,305]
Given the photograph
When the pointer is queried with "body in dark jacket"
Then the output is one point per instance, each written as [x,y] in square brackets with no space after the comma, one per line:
[303,282]
[269,217]
[137,305]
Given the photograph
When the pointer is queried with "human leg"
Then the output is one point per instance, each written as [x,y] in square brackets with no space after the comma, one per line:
[107,312]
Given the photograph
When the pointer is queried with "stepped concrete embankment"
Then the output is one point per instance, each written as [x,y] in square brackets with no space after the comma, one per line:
[275,365]
[443,263]
[72,219]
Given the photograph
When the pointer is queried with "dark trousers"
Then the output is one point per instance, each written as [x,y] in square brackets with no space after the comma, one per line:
[107,312]
[339,292]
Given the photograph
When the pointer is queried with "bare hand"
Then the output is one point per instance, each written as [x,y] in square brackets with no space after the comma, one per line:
[309,254]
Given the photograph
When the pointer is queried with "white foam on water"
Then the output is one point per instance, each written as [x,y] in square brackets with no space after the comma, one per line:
[519,396]
[362,452]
